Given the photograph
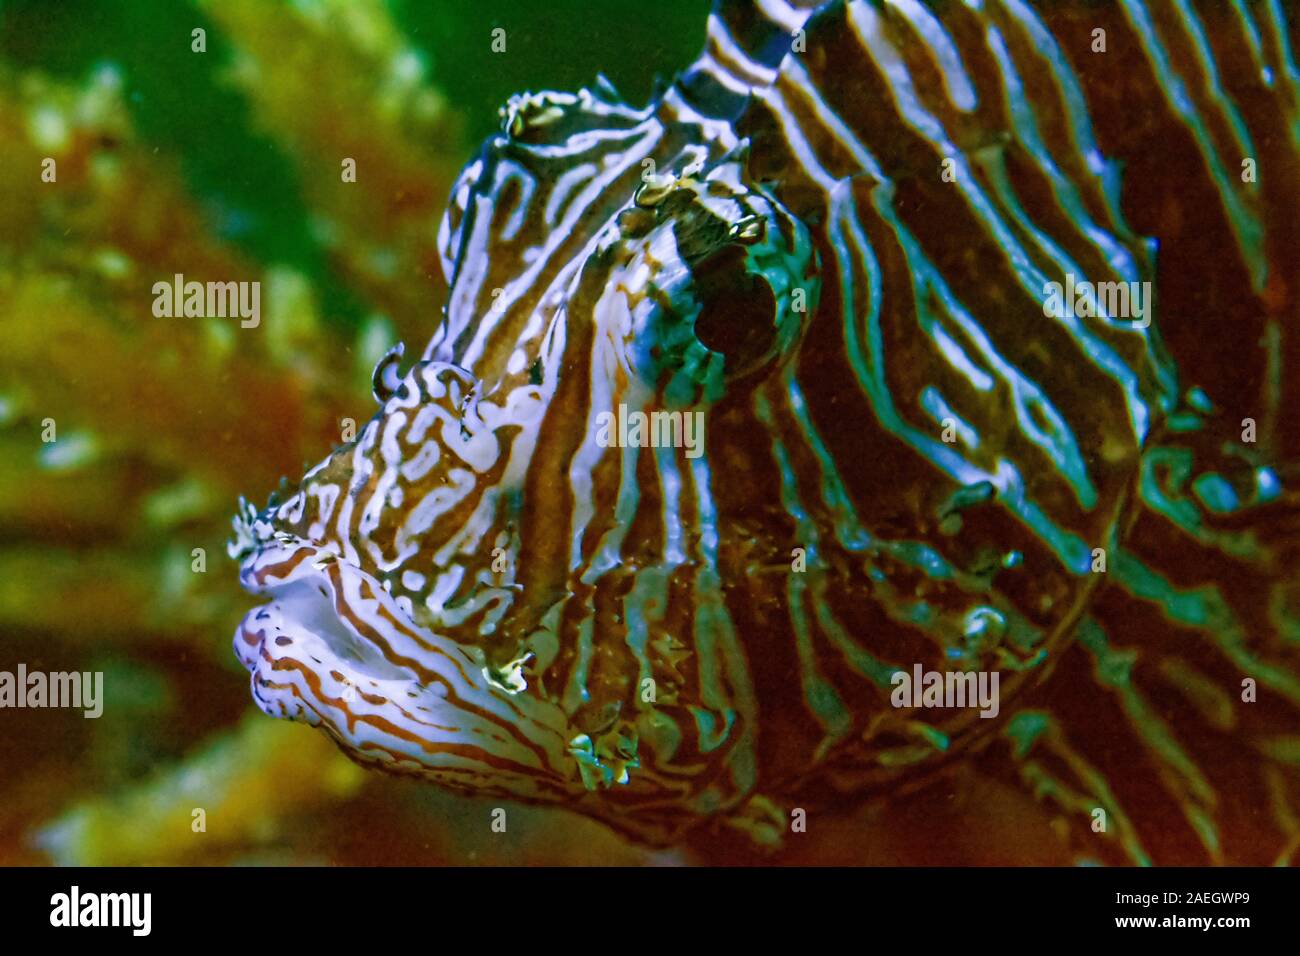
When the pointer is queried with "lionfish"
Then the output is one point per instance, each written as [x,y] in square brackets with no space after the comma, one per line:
[834,243]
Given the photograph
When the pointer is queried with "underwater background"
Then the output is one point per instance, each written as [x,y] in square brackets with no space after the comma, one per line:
[225,163]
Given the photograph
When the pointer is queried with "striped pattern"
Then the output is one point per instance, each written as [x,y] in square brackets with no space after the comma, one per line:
[833,240]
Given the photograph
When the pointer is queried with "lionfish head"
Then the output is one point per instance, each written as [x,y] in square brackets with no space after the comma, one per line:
[602,261]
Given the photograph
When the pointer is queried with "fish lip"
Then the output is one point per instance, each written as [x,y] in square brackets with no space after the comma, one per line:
[301,627]
[402,698]
[282,560]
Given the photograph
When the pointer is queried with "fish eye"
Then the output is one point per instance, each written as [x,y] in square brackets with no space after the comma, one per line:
[738,311]
[719,280]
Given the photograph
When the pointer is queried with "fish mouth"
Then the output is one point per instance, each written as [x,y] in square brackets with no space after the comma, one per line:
[320,638]
[333,649]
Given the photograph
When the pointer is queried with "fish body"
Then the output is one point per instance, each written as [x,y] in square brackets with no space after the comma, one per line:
[874,345]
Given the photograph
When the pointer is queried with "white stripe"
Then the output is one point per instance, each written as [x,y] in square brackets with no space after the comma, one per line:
[726,44]
[955,80]
[563,186]
[707,64]
[782,14]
